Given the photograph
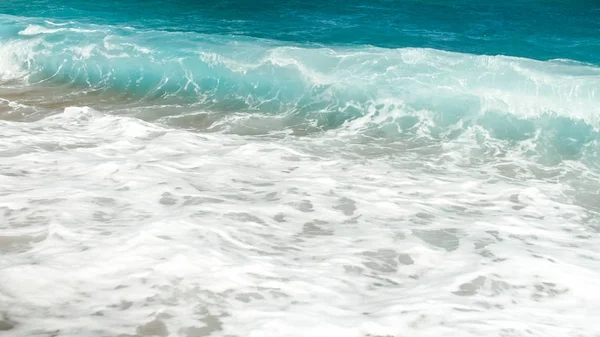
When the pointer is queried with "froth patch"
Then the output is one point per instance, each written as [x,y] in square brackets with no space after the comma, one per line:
[11,104]
[105,125]
[79,113]
[37,30]
[15,57]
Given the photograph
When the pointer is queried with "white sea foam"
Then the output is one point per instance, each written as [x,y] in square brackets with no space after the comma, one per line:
[427,209]
[111,225]
[37,30]
[15,57]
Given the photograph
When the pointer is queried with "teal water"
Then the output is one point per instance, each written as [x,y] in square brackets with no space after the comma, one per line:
[521,70]
[537,29]
[532,65]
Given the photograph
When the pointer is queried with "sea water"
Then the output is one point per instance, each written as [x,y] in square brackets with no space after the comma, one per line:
[299,168]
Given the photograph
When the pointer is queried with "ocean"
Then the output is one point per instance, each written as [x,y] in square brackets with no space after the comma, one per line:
[381,168]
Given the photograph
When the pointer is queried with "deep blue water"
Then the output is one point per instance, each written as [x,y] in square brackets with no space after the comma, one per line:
[538,29]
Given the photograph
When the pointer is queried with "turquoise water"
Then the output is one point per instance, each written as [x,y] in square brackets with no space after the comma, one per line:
[519,69]
[299,168]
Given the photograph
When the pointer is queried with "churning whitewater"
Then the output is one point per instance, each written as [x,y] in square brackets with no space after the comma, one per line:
[214,170]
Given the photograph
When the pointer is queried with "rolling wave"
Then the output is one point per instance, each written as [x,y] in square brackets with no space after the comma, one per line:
[375,91]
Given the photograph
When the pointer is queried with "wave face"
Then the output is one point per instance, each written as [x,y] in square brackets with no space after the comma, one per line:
[299,168]
[391,93]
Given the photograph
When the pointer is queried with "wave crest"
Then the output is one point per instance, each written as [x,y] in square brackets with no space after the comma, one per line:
[373,91]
